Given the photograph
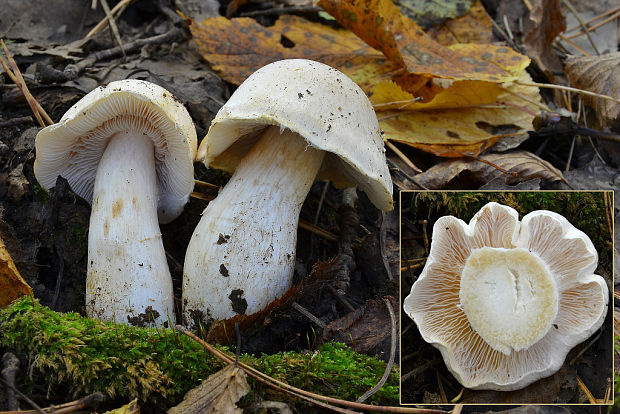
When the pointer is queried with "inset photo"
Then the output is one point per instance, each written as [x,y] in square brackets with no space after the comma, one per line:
[506,297]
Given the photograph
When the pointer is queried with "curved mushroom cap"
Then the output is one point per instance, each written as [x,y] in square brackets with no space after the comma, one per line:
[319,103]
[505,301]
[72,147]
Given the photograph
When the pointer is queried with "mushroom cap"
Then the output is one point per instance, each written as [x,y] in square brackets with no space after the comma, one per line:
[568,256]
[72,147]
[319,103]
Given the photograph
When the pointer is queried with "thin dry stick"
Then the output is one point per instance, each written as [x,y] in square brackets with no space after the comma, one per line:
[16,77]
[442,392]
[204,184]
[402,156]
[23,396]
[575,45]
[568,88]
[308,315]
[595,18]
[533,102]
[596,26]
[585,28]
[113,27]
[586,391]
[70,407]
[390,364]
[289,388]
[121,5]
[317,230]
[200,196]
[459,407]
[492,164]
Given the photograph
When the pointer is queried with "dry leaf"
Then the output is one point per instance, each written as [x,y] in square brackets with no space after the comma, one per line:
[217,394]
[473,27]
[549,21]
[365,329]
[238,47]
[380,24]
[456,119]
[12,286]
[468,117]
[519,166]
[600,74]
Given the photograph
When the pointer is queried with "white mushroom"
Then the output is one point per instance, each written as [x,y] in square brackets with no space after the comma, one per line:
[289,123]
[505,301]
[128,149]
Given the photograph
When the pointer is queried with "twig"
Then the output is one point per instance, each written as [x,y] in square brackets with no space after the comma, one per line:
[282,386]
[121,4]
[492,164]
[72,71]
[113,27]
[416,371]
[568,88]
[317,230]
[383,246]
[200,196]
[308,315]
[70,407]
[585,348]
[341,298]
[596,26]
[402,156]
[388,367]
[570,153]
[586,391]
[282,10]
[205,184]
[576,14]
[595,18]
[23,396]
[575,45]
[16,77]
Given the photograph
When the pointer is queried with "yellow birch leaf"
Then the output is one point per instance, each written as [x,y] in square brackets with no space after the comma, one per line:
[466,118]
[12,286]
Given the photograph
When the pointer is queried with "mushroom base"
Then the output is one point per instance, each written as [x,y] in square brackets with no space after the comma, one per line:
[128,280]
[241,256]
[509,296]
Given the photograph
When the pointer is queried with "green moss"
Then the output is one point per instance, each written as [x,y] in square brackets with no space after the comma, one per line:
[41,193]
[333,370]
[159,366]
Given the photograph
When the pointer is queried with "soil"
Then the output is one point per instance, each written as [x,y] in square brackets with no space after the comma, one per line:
[46,234]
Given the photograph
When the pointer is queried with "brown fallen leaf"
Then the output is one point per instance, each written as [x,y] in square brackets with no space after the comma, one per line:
[217,394]
[599,74]
[12,285]
[466,117]
[453,117]
[381,24]
[548,21]
[473,27]
[518,166]
[364,329]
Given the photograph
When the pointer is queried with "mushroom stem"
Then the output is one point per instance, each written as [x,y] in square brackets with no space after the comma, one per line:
[243,250]
[128,275]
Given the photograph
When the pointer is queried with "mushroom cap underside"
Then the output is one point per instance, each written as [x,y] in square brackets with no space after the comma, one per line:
[319,103]
[435,300]
[72,147]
